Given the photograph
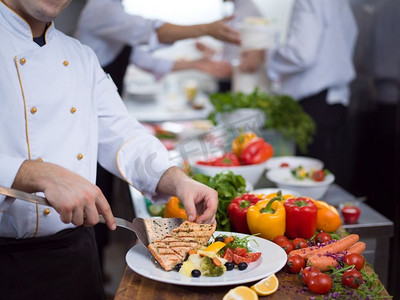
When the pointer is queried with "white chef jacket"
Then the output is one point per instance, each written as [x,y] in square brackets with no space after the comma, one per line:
[57,105]
[318,52]
[107,28]
[242,10]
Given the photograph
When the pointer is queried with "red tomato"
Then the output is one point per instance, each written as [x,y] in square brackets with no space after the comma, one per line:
[299,243]
[251,257]
[280,238]
[256,151]
[238,259]
[295,263]
[322,237]
[284,165]
[354,259]
[228,255]
[318,175]
[352,279]
[307,273]
[287,246]
[320,283]
[226,160]
[240,251]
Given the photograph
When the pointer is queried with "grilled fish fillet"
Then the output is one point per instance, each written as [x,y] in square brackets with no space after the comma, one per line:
[174,247]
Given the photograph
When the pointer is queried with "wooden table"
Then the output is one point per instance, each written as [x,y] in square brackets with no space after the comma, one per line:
[135,286]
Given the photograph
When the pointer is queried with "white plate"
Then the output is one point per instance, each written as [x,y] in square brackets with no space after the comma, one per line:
[294,162]
[272,259]
[268,191]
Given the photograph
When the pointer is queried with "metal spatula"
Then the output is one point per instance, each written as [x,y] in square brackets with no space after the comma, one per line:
[147,230]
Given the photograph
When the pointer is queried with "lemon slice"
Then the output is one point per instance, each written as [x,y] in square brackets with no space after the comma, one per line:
[215,247]
[241,293]
[266,286]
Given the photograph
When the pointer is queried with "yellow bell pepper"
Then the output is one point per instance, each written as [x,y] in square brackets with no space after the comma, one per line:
[174,209]
[240,142]
[328,219]
[267,217]
[277,194]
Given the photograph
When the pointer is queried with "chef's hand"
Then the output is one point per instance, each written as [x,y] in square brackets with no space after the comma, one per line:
[198,199]
[219,69]
[207,51]
[222,31]
[76,199]
[250,60]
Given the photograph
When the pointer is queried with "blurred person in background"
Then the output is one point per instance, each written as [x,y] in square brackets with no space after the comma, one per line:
[315,67]
[116,37]
[222,64]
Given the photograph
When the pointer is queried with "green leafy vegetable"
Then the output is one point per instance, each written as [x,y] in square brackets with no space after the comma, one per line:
[228,186]
[282,112]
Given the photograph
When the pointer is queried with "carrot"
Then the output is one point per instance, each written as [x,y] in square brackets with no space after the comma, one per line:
[303,252]
[217,262]
[229,239]
[193,251]
[358,248]
[335,247]
[322,262]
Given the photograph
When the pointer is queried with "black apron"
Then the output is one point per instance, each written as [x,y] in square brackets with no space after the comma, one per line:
[61,266]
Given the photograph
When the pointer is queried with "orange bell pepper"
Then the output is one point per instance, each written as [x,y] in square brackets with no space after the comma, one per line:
[174,209]
[328,219]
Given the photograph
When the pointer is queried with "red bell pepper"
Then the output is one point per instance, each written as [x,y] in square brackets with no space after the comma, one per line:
[237,211]
[301,217]
[256,151]
[226,160]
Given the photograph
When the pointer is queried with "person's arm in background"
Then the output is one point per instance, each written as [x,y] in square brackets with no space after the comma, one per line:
[169,33]
[161,66]
[300,50]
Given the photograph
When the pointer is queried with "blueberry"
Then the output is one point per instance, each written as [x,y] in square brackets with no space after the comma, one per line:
[196,273]
[229,265]
[219,239]
[178,267]
[242,266]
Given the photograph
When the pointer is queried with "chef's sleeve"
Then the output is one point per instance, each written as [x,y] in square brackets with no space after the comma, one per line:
[125,147]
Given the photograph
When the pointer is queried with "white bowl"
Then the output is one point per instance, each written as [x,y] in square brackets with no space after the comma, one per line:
[284,179]
[294,162]
[251,173]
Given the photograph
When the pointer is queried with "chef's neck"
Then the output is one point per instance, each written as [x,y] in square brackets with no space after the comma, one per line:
[37,26]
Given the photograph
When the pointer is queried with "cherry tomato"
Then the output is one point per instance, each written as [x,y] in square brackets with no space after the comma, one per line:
[352,279]
[238,259]
[322,237]
[295,263]
[250,257]
[299,243]
[280,238]
[320,283]
[318,175]
[287,246]
[307,273]
[228,255]
[240,251]
[354,259]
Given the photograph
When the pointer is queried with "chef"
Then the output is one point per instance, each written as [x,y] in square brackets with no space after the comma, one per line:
[60,115]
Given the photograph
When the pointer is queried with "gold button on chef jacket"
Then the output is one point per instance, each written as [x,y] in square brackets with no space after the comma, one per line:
[102,130]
